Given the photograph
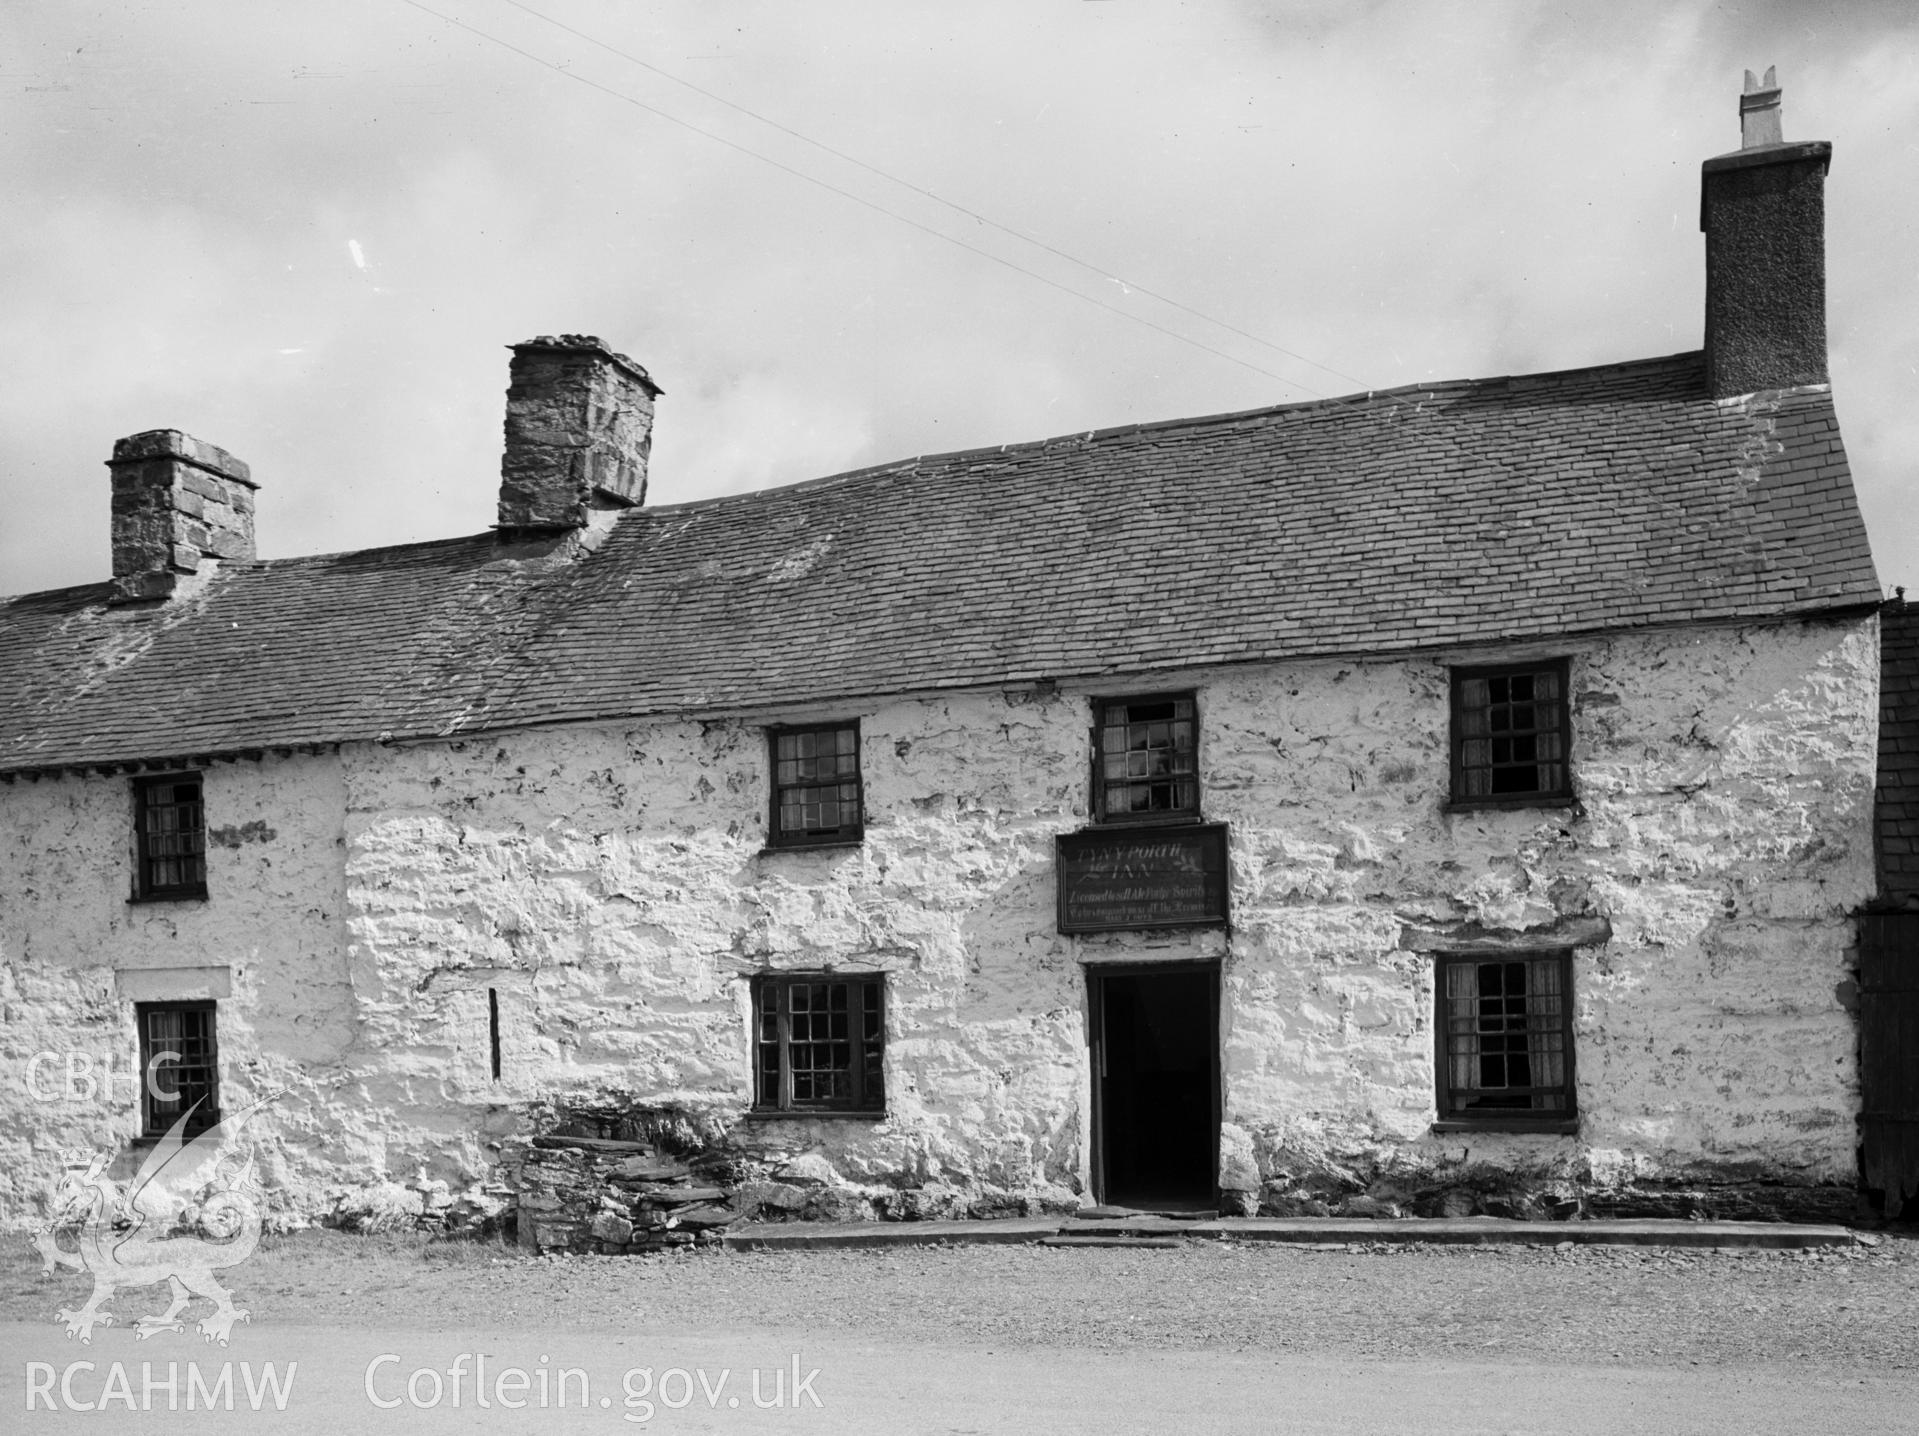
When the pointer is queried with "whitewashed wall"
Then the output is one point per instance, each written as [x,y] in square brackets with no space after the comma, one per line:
[609,883]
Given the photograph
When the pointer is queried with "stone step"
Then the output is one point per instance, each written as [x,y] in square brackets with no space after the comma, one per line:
[1178,1214]
[697,1218]
[592,1144]
[666,1192]
[651,1169]
[1078,1240]
[1134,1227]
[1334,1234]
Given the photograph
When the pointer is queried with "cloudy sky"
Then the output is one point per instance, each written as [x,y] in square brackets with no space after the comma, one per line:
[843,233]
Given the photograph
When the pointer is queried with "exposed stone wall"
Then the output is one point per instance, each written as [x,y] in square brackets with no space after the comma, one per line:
[607,885]
[613,1196]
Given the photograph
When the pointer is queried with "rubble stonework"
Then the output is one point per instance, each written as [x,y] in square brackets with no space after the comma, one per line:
[606,886]
[586,1194]
[578,1188]
[579,428]
[176,501]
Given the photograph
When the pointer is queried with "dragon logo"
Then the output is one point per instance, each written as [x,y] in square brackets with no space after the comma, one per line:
[130,1237]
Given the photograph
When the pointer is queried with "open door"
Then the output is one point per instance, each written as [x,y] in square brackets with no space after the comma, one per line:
[1155,1053]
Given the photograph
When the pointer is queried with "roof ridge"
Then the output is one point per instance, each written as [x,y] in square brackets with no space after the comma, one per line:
[946,458]
[949,457]
[294,560]
[52,593]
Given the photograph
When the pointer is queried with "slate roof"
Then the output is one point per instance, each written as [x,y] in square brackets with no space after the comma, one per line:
[1424,517]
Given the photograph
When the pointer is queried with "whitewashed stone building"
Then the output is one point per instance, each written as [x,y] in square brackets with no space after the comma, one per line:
[1444,799]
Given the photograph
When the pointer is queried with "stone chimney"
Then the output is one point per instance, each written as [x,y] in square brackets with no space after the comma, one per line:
[175,502]
[1763,211]
[579,424]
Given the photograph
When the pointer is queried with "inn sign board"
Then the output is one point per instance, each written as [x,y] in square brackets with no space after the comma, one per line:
[1120,879]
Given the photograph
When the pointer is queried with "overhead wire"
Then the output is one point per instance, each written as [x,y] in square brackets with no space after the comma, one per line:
[891,178]
[859,199]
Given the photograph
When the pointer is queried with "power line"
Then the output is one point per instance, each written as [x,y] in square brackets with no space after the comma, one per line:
[858,199]
[957,208]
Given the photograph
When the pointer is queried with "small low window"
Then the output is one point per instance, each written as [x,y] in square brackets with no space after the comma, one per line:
[1145,759]
[1505,1040]
[179,1066]
[170,837]
[1510,734]
[816,785]
[820,1043]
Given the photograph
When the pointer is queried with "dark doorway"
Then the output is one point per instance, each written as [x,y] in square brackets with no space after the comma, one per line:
[1889,1060]
[1156,1084]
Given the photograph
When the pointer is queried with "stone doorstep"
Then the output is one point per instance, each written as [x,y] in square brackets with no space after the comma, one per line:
[1304,1231]
[1134,1228]
[1177,1214]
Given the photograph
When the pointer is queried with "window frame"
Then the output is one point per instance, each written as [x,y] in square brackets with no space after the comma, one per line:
[154,1125]
[1101,814]
[1456,1118]
[846,834]
[145,889]
[867,1095]
[1540,797]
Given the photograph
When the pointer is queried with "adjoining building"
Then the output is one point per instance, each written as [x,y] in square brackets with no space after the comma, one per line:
[1447,799]
[1888,990]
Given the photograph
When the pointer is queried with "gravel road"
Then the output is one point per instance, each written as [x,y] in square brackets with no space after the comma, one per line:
[1207,1337]
[1853,1308]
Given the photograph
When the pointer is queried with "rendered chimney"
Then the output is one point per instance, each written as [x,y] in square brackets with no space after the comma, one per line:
[1763,211]
[579,425]
[176,501]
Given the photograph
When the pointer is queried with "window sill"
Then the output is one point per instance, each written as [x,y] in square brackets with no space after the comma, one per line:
[808,1114]
[1519,800]
[826,845]
[156,1138]
[1556,1126]
[1185,818]
[176,895]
